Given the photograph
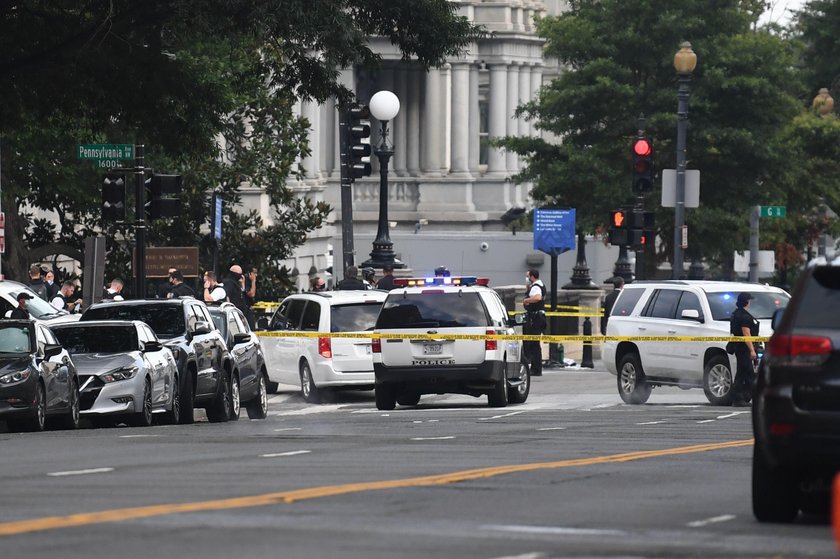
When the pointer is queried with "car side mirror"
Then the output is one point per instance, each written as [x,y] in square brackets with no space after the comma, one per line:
[691,314]
[517,320]
[241,338]
[262,323]
[201,327]
[51,350]
[776,319]
[152,346]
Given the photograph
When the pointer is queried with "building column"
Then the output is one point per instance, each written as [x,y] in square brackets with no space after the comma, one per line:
[474,137]
[413,104]
[497,126]
[326,130]
[398,127]
[536,85]
[309,111]
[460,141]
[385,83]
[431,122]
[511,156]
[524,97]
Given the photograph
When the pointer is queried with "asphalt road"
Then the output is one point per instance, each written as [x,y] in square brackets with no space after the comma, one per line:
[572,473]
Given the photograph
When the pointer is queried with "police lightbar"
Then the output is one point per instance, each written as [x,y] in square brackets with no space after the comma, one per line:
[441,280]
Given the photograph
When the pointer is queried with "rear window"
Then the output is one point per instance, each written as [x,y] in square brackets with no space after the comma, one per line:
[819,304]
[763,305]
[354,318]
[626,301]
[167,321]
[432,310]
[98,339]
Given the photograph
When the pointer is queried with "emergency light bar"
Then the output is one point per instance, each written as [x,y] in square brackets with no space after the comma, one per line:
[441,280]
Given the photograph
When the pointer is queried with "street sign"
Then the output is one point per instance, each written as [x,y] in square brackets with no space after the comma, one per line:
[2,220]
[217,217]
[2,245]
[105,152]
[684,237]
[773,211]
[554,230]
[669,188]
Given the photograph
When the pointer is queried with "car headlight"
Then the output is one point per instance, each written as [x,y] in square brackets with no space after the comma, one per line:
[12,378]
[124,373]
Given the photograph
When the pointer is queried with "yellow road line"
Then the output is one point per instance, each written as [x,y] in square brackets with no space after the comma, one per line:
[133,513]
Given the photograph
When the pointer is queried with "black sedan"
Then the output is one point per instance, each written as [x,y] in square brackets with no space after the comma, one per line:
[37,378]
[250,380]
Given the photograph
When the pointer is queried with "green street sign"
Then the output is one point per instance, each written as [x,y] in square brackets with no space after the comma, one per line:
[773,211]
[105,151]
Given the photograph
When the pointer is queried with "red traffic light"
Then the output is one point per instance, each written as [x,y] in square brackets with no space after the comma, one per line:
[641,147]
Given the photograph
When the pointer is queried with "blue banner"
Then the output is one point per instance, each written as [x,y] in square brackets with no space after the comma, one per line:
[554,230]
[217,218]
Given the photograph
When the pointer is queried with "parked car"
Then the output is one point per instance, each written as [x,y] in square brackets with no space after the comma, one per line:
[39,310]
[320,363]
[680,309]
[185,326]
[796,402]
[250,386]
[124,371]
[408,368]
[38,379]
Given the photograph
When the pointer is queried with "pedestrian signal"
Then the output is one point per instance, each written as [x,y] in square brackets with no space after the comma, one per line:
[113,197]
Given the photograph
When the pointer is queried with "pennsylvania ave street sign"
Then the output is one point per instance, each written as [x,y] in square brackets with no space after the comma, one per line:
[105,151]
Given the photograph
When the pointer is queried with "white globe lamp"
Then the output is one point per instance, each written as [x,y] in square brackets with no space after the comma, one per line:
[384,106]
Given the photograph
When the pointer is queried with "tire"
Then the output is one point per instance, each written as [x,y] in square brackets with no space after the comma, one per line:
[308,390]
[498,396]
[518,394]
[144,417]
[408,399]
[775,491]
[632,384]
[386,398]
[219,411]
[186,397]
[272,387]
[235,403]
[173,416]
[718,381]
[72,419]
[258,407]
[39,418]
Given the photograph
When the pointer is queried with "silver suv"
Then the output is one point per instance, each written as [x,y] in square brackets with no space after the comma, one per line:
[406,368]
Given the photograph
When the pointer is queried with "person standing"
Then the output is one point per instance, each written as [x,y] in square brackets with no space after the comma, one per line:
[250,294]
[114,291]
[367,277]
[609,302]
[742,323]
[317,284]
[37,284]
[351,280]
[214,292]
[62,300]
[179,288]
[21,312]
[386,282]
[535,322]
[234,285]
[52,287]
[165,290]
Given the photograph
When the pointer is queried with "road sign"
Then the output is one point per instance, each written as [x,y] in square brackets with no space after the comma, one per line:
[669,188]
[105,151]
[2,245]
[554,230]
[773,211]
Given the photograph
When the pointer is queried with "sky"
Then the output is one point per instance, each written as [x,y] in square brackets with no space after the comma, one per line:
[781,11]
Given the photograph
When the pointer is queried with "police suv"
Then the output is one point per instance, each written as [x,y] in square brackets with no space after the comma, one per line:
[432,309]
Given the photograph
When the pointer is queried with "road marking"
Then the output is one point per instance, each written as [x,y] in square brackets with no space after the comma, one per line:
[552,530]
[712,520]
[501,416]
[707,421]
[550,428]
[295,495]
[535,555]
[733,414]
[309,410]
[290,453]
[287,429]
[81,472]
[137,436]
[652,422]
[431,438]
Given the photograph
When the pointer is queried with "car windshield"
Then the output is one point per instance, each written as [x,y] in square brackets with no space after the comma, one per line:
[432,310]
[14,339]
[97,339]
[763,304]
[220,320]
[354,318]
[40,309]
[167,321]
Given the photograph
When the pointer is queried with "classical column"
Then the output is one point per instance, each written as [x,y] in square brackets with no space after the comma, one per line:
[524,97]
[412,110]
[497,126]
[536,84]
[445,134]
[385,83]
[432,135]
[398,126]
[460,140]
[309,111]
[474,138]
[326,131]
[512,122]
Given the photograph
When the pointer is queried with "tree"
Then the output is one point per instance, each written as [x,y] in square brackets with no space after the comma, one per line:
[206,85]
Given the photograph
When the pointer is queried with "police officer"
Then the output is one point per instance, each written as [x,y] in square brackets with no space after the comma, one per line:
[368,274]
[21,312]
[534,321]
[742,323]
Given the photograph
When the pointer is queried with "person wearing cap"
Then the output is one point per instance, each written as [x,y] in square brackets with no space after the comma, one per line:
[742,323]
[367,277]
[386,282]
[21,312]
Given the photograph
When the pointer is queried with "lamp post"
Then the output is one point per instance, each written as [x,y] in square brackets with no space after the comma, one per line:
[684,62]
[384,106]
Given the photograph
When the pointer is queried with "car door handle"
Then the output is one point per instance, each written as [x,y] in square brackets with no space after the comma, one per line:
[672,331]
[642,329]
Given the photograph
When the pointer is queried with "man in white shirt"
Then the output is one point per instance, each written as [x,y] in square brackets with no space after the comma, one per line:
[62,300]
[535,322]
[214,292]
[114,291]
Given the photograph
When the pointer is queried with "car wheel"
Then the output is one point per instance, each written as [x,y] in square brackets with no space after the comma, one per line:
[775,491]
[143,418]
[39,417]
[498,396]
[386,398]
[308,390]
[408,399]
[71,421]
[173,416]
[234,398]
[219,411]
[632,385]
[258,407]
[717,381]
[186,399]
[518,394]
[272,387]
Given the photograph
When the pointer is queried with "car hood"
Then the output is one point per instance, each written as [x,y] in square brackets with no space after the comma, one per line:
[96,363]
[10,364]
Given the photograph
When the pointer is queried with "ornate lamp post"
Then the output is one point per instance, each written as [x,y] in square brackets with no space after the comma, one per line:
[384,106]
[684,62]
[823,103]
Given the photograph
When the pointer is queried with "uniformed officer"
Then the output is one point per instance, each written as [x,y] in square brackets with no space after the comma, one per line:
[534,321]
[21,312]
[742,323]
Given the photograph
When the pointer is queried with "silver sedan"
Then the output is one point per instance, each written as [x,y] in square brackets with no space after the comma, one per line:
[125,373]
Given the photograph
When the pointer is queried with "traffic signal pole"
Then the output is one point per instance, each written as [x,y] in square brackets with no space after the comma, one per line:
[346,195]
[139,223]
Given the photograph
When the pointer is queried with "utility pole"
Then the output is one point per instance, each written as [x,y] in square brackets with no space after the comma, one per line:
[754,218]
[139,223]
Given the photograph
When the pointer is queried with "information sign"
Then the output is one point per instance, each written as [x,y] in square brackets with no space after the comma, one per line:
[554,230]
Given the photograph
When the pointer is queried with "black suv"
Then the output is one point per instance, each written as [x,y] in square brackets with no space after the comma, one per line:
[796,407]
[184,325]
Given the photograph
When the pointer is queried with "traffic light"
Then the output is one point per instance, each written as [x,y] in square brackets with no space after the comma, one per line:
[113,197]
[359,150]
[641,228]
[618,227]
[163,196]
[642,165]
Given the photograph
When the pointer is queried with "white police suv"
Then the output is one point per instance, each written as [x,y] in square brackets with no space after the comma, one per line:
[432,309]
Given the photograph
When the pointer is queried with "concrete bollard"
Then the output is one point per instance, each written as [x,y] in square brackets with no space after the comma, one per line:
[586,361]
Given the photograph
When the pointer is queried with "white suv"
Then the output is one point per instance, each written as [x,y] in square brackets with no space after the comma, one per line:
[316,363]
[674,309]
[407,368]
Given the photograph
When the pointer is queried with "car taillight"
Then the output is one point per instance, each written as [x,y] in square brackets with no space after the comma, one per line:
[325,347]
[376,345]
[801,351]
[490,345]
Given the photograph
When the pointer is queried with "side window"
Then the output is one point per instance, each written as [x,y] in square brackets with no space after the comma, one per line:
[233,327]
[50,337]
[143,335]
[295,314]
[498,313]
[689,301]
[664,304]
[204,312]
[192,317]
[278,320]
[311,316]
[626,301]
[241,322]
[5,307]
[40,338]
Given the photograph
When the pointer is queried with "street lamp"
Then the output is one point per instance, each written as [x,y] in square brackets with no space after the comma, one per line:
[384,106]
[823,103]
[684,62]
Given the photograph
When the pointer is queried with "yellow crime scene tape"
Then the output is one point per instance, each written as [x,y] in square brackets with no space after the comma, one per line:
[548,338]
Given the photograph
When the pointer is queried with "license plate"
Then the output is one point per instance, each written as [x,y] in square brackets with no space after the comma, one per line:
[432,349]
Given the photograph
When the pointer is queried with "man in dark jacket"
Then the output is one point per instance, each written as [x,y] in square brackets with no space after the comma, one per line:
[21,312]
[37,283]
[179,288]
[609,301]
[234,285]
[351,280]
[386,282]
